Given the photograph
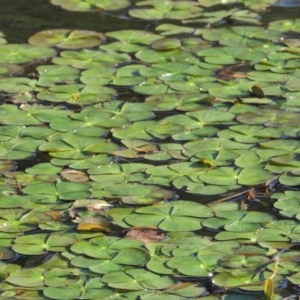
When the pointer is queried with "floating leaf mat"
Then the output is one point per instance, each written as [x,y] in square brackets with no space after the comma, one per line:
[152,165]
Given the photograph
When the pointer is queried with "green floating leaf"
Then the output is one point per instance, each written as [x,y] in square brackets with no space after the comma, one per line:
[227,176]
[288,203]
[169,9]
[100,266]
[213,145]
[258,5]
[278,66]
[37,277]
[192,266]
[171,29]
[22,53]
[186,289]
[131,256]
[91,5]
[147,130]
[172,72]
[137,279]
[217,17]
[77,94]
[118,215]
[229,55]
[206,260]
[221,176]
[60,190]
[66,38]
[284,163]
[27,278]
[9,69]
[85,289]
[45,114]
[107,247]
[17,85]
[78,128]
[194,127]
[285,145]
[14,201]
[26,132]
[21,220]
[124,76]
[126,256]
[206,117]
[237,278]
[51,75]
[269,117]
[167,151]
[285,25]
[182,102]
[130,40]
[218,158]
[155,195]
[254,176]
[118,173]
[6,253]
[41,243]
[250,133]
[175,216]
[122,109]
[43,169]
[57,277]
[268,76]
[245,36]
[155,56]
[290,179]
[166,44]
[295,278]
[18,148]
[194,44]
[86,59]
[83,163]
[238,221]
[264,237]
[73,147]
[229,90]
[7,240]
[135,148]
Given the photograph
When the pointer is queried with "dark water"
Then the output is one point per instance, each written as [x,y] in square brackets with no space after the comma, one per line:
[19,19]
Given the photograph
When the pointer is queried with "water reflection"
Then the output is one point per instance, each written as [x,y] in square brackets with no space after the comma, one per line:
[288,3]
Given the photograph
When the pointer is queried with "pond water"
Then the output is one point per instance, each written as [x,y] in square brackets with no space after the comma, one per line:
[149,149]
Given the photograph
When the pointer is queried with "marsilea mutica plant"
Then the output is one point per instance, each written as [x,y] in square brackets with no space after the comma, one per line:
[152,165]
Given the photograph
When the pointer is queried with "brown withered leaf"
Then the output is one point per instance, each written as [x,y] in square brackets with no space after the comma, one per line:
[258,92]
[55,214]
[145,235]
[90,204]
[91,227]
[182,285]
[239,70]
[7,165]
[74,175]
[94,224]
[99,206]
[73,213]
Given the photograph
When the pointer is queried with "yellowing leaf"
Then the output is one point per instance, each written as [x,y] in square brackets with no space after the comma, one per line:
[269,289]
[209,162]
[91,227]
